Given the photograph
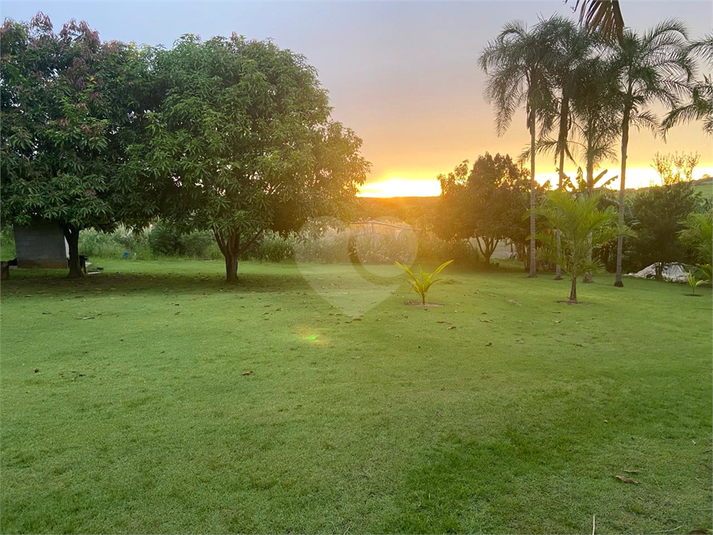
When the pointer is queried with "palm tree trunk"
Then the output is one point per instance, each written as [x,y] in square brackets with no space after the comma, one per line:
[562,141]
[590,190]
[573,291]
[533,261]
[620,240]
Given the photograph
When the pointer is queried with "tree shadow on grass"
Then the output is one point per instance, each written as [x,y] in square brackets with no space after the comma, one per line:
[42,281]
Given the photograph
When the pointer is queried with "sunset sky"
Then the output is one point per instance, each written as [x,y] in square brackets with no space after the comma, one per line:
[402,74]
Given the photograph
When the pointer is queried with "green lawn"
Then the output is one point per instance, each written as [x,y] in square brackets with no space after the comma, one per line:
[141,420]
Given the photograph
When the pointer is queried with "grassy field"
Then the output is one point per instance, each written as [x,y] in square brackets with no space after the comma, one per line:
[153,398]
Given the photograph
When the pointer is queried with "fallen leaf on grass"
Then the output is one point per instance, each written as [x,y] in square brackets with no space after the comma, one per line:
[486,321]
[488,344]
[625,479]
[631,471]
[249,372]
[558,321]
[451,327]
[519,341]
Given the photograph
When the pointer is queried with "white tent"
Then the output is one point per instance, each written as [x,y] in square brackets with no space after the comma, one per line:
[674,272]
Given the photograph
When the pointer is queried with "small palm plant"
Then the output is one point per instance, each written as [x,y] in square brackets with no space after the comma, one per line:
[582,225]
[424,280]
[693,281]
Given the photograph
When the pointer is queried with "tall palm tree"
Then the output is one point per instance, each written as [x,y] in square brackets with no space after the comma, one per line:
[603,16]
[596,115]
[516,63]
[596,122]
[572,46]
[653,67]
[700,106]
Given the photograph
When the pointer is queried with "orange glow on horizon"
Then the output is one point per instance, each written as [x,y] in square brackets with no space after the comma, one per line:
[401,187]
[636,177]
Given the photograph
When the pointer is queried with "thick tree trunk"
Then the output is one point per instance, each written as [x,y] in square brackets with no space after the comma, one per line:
[620,239]
[231,267]
[229,244]
[573,291]
[71,234]
[533,252]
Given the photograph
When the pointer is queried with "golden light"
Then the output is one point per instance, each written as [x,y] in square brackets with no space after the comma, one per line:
[401,187]
[636,177]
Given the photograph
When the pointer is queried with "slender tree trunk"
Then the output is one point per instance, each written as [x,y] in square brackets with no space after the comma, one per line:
[590,191]
[564,117]
[573,291]
[620,239]
[533,261]
[71,234]
[486,247]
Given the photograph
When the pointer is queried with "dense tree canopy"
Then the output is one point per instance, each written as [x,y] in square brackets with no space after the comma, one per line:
[486,203]
[659,213]
[71,106]
[229,135]
[243,141]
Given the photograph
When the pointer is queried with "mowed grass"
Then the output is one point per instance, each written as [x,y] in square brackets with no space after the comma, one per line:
[502,411]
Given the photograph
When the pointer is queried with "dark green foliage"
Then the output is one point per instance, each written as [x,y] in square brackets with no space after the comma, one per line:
[659,213]
[487,203]
[242,142]
[71,108]
[167,239]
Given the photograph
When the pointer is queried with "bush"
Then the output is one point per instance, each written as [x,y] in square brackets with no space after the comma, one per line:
[114,244]
[431,247]
[274,247]
[161,240]
[166,240]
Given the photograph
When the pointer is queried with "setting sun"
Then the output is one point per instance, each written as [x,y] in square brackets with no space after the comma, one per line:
[636,177]
[401,187]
